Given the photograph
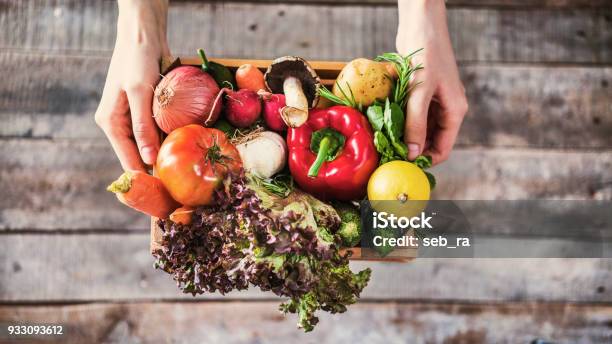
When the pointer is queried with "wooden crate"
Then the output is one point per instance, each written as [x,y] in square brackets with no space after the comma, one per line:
[328,72]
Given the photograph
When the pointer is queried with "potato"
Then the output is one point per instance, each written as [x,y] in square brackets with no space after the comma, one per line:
[369,80]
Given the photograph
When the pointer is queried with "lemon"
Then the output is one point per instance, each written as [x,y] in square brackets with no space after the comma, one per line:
[400,188]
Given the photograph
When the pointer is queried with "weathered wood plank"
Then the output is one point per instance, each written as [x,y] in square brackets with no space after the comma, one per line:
[260,322]
[516,106]
[249,30]
[537,106]
[470,3]
[61,184]
[523,174]
[457,3]
[119,267]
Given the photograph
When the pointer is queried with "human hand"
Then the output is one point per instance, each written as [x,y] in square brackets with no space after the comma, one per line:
[437,105]
[124,112]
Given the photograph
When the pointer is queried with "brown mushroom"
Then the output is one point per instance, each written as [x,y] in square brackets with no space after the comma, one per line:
[294,77]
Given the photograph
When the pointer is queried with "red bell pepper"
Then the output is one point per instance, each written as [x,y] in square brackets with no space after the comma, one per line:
[332,155]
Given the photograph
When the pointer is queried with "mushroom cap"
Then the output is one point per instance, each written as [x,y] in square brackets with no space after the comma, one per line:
[295,66]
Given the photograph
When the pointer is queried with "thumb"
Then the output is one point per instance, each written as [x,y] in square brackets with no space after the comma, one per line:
[143,124]
[415,132]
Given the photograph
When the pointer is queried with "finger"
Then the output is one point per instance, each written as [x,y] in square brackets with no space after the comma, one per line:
[126,150]
[445,133]
[143,125]
[112,116]
[416,122]
[108,102]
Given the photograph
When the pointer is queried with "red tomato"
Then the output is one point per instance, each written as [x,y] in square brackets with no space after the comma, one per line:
[193,161]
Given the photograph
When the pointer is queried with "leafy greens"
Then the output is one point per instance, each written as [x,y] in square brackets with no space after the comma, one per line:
[252,237]
[388,119]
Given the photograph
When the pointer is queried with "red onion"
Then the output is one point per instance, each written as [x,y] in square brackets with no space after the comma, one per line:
[185,96]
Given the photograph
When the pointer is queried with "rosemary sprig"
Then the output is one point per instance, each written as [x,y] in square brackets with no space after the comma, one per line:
[347,99]
[404,73]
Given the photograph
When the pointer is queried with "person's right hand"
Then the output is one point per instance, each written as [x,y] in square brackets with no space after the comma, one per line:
[125,110]
[437,106]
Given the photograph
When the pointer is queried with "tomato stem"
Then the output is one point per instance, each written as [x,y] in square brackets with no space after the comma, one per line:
[213,154]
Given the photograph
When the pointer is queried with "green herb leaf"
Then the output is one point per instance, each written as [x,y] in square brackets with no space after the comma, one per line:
[393,117]
[423,161]
[384,148]
[346,100]
[404,72]
[431,179]
[400,149]
[375,116]
[380,142]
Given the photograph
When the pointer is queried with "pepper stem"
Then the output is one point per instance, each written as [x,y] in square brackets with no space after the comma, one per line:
[321,157]
[205,65]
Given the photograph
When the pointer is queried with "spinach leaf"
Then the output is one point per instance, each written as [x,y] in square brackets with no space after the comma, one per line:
[393,118]
[423,161]
[375,116]
[400,149]
[381,142]
[384,148]
[431,179]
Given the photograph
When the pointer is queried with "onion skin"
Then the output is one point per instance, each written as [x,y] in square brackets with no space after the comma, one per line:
[185,96]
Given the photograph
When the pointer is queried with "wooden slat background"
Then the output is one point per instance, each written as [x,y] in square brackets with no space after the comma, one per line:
[538,76]
[257,322]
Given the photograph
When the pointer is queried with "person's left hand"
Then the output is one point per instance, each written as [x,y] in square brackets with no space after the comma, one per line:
[125,113]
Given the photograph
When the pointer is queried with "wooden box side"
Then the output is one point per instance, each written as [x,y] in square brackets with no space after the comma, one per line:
[327,70]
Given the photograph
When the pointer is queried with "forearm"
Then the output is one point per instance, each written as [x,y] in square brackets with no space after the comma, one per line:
[437,105]
[143,22]
[427,18]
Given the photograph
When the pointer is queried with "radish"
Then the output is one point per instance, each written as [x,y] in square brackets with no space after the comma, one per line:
[273,104]
[242,108]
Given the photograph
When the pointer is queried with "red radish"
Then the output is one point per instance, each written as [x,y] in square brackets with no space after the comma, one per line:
[185,96]
[242,108]
[273,103]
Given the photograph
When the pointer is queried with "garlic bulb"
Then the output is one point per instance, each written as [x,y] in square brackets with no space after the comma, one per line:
[264,155]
